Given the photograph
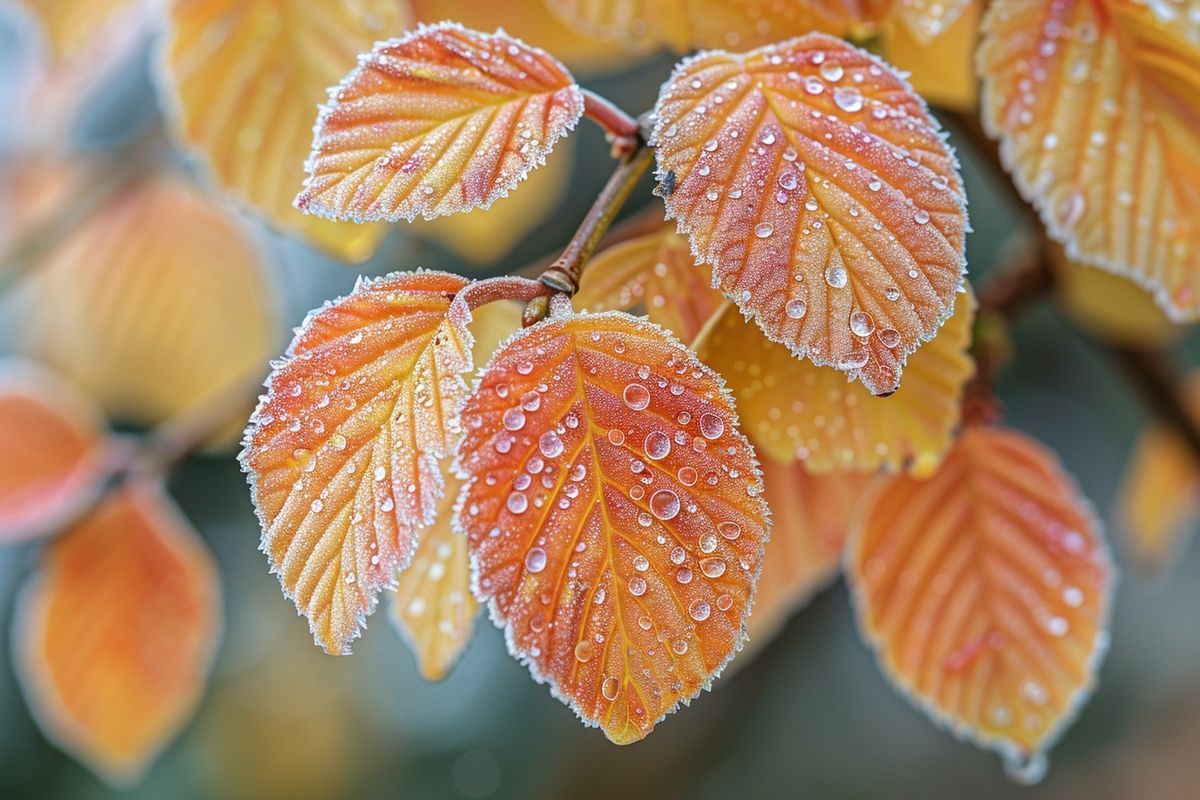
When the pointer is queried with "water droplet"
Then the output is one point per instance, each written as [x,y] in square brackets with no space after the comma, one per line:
[609,688]
[688,476]
[679,647]
[875,185]
[921,216]
[763,230]
[708,543]
[684,576]
[796,309]
[730,530]
[517,503]
[831,71]
[665,504]
[636,396]
[836,276]
[658,445]
[583,651]
[531,401]
[677,555]
[514,419]
[535,560]
[1028,770]
[861,323]
[637,586]
[724,602]
[712,567]
[616,436]
[848,99]
[711,426]
[641,563]
[699,610]
[550,444]
[889,337]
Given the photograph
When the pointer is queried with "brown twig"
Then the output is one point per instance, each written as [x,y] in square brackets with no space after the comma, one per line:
[622,129]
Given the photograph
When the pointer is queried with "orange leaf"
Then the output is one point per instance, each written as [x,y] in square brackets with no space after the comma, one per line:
[928,20]
[69,24]
[433,607]
[941,69]
[1159,502]
[795,410]
[343,451]
[820,190]
[614,515]
[811,515]
[244,78]
[52,441]
[115,634]
[156,305]
[440,121]
[1095,104]
[986,591]
[686,24]
[654,272]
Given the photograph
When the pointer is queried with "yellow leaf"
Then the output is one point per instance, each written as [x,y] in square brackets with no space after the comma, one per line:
[941,67]
[70,24]
[985,591]
[1109,306]
[796,410]
[929,20]
[158,304]
[614,515]
[1096,103]
[656,273]
[116,632]
[244,79]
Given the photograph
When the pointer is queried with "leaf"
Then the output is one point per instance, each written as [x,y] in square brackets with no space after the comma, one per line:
[531,21]
[243,79]
[985,591]
[433,607]
[1159,500]
[614,515]
[116,632]
[654,272]
[1095,105]
[811,515]
[941,68]
[1109,306]
[485,238]
[818,226]
[342,453]
[69,25]
[686,24]
[54,451]
[795,410]
[440,121]
[929,20]
[156,305]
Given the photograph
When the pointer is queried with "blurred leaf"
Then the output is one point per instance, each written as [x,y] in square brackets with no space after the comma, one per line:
[985,591]
[1104,140]
[630,508]
[52,440]
[115,634]
[69,25]
[654,272]
[157,304]
[787,169]
[245,77]
[796,410]
[441,121]
[343,450]
[941,64]
[1109,306]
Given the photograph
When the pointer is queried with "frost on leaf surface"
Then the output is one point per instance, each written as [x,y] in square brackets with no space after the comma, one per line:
[985,591]
[115,633]
[244,79]
[614,515]
[686,24]
[656,273]
[795,410]
[343,450]
[52,440]
[440,121]
[814,182]
[1095,104]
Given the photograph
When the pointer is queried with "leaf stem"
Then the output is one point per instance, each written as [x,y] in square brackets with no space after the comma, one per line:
[622,129]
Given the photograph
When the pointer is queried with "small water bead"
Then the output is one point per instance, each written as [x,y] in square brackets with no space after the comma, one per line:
[636,396]
[609,688]
[921,217]
[861,323]
[763,230]
[711,426]
[658,445]
[387,505]
[814,86]
[730,530]
[892,293]
[517,503]
[665,504]
[788,180]
[525,367]
[637,492]
[677,555]
[708,543]
[616,437]
[836,276]
[712,194]
[712,567]
[724,602]
[317,506]
[535,560]
[641,563]
[855,359]
[522,482]
[688,476]
[875,185]
[889,337]
[848,99]
[514,419]
[551,444]
[1028,770]
[1072,596]
[644,622]
[679,647]
[637,586]
[531,401]
[583,651]
[699,610]
[684,576]
[831,71]
[796,309]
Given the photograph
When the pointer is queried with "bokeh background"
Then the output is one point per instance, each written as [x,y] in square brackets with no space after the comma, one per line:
[810,716]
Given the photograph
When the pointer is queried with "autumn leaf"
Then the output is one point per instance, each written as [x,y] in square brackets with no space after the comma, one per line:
[116,632]
[433,607]
[937,52]
[342,453]
[69,25]
[156,305]
[795,410]
[820,190]
[656,273]
[686,24]
[929,20]
[614,515]
[1159,501]
[1095,105]
[985,591]
[243,79]
[54,451]
[811,516]
[1108,306]
[440,121]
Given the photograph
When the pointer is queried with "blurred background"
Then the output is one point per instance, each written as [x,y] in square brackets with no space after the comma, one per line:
[87,125]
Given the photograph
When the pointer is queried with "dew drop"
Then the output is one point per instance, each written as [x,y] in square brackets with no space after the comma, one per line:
[688,476]
[658,445]
[665,504]
[712,567]
[609,689]
[796,309]
[636,396]
[637,586]
[550,444]
[583,651]
[711,426]
[514,419]
[921,217]
[535,560]
[836,276]
[763,230]
[616,436]
[831,71]
[699,610]
[708,543]
[517,503]
[861,323]
[848,99]
[730,530]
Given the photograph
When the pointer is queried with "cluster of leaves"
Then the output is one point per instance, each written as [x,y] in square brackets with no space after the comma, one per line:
[595,487]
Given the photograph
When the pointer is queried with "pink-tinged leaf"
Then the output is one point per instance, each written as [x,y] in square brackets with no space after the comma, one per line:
[440,121]
[614,514]
[822,193]
[343,450]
